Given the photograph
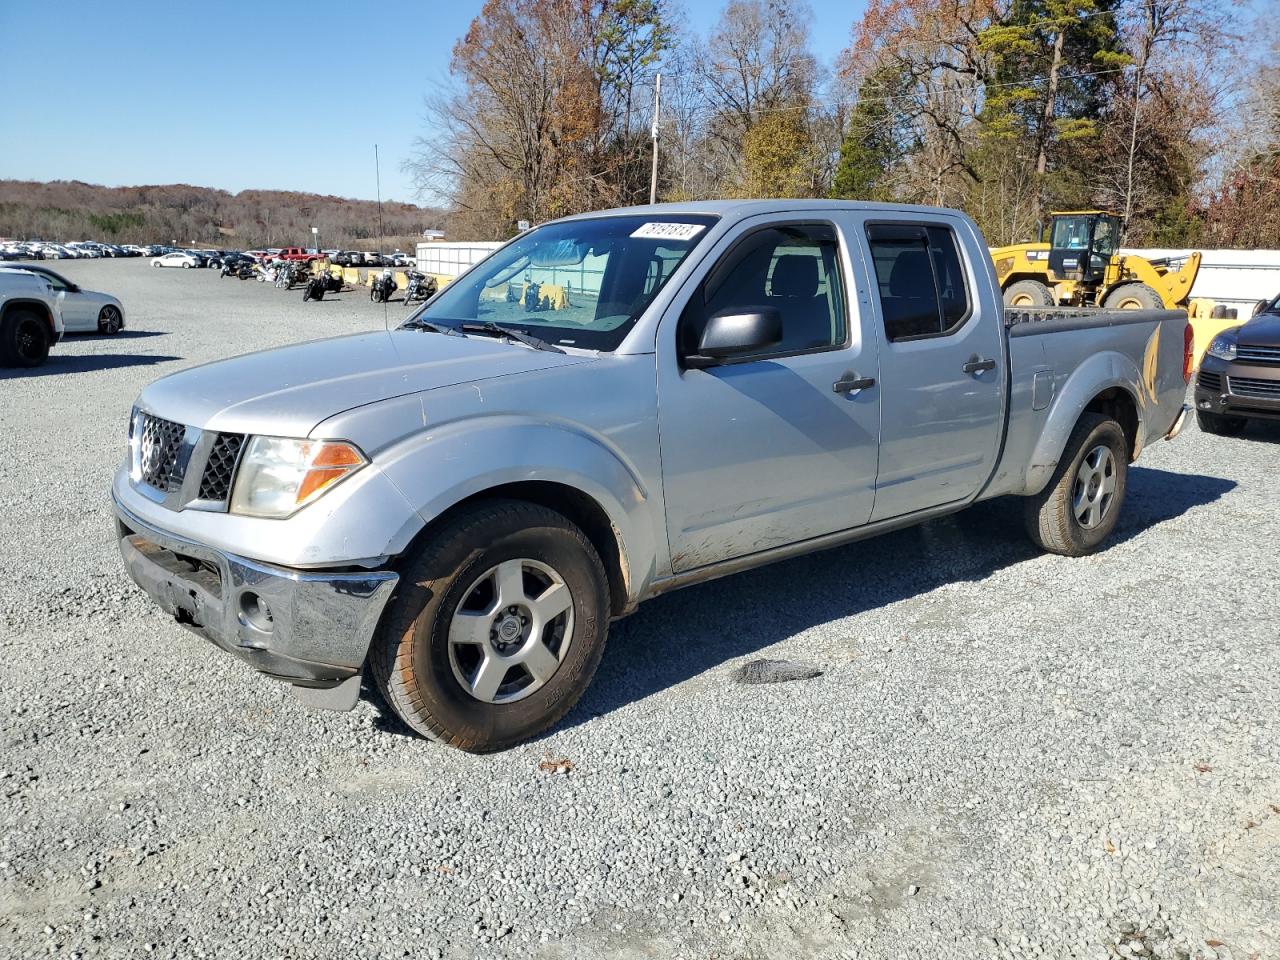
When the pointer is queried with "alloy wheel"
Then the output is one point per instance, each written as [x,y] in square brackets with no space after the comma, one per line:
[1095,487]
[511,631]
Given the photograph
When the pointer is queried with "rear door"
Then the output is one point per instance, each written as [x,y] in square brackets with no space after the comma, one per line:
[775,448]
[941,364]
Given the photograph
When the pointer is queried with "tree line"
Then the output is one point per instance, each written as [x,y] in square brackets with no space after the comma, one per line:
[1006,109]
[201,216]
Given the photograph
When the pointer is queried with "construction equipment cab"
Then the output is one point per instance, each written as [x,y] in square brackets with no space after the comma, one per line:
[1081,266]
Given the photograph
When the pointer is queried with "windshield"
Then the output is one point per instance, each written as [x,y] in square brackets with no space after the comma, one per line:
[1070,233]
[581,283]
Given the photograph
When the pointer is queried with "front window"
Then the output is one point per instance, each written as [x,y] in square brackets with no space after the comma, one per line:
[581,283]
[1070,233]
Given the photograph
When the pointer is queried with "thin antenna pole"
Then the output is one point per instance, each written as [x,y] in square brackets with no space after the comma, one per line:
[382,243]
[653,175]
[377,171]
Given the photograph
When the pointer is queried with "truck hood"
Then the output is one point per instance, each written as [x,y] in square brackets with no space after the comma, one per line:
[289,390]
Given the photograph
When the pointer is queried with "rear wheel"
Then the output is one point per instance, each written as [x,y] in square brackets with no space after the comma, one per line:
[1028,293]
[495,629]
[1080,506]
[1220,425]
[1133,296]
[109,320]
[24,339]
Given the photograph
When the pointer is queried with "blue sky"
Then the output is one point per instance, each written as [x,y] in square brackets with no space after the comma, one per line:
[229,95]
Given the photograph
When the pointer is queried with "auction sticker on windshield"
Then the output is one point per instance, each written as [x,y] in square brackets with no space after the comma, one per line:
[669,231]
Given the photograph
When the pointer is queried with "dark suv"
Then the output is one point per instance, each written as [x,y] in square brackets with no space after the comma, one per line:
[1239,377]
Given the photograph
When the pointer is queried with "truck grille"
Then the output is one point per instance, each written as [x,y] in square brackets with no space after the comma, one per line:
[1258,354]
[1209,381]
[1258,389]
[215,482]
[160,445]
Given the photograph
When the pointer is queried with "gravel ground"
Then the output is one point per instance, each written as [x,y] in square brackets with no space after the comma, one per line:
[1005,754]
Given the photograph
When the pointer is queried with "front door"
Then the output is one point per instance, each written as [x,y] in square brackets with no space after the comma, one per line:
[941,367]
[777,447]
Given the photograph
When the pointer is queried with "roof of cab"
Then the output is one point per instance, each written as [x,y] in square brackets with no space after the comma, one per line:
[747,208]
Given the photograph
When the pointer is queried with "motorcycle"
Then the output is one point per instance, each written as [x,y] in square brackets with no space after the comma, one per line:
[421,287]
[383,288]
[316,288]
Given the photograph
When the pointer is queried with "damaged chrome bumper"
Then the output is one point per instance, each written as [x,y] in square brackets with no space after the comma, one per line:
[310,628]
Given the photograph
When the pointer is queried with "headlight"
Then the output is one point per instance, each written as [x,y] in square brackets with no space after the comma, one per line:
[1223,347]
[278,476]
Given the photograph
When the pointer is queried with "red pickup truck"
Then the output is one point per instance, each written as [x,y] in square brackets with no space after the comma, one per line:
[298,253]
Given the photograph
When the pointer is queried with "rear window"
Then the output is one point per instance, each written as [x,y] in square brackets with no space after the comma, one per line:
[920,279]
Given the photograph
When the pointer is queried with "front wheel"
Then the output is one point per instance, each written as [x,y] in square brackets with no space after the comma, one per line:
[24,339]
[1219,424]
[186,266]
[1028,293]
[495,629]
[1080,506]
[110,321]
[1133,296]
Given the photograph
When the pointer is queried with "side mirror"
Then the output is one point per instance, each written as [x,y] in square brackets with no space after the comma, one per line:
[728,336]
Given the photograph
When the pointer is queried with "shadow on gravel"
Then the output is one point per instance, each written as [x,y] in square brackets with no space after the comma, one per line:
[1262,430]
[83,364]
[683,634]
[122,335]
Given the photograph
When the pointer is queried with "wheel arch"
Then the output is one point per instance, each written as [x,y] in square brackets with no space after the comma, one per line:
[555,464]
[580,508]
[1108,384]
[36,306]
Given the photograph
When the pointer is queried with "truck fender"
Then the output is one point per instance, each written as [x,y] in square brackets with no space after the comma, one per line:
[1098,374]
[444,465]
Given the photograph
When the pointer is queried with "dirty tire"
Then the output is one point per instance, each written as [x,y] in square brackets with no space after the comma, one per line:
[1050,515]
[1028,293]
[1133,296]
[1220,425]
[410,659]
[24,339]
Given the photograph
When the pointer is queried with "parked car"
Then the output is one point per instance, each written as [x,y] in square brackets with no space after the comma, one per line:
[179,258]
[30,319]
[82,311]
[438,503]
[1239,378]
[297,254]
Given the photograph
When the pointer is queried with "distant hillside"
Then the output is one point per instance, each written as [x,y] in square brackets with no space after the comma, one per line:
[183,214]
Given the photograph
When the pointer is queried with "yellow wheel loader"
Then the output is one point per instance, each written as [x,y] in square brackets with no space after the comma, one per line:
[1081,266]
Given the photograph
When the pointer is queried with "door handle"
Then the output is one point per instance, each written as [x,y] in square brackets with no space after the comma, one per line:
[848,384]
[976,364]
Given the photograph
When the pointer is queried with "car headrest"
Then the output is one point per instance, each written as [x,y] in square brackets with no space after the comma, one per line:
[795,275]
[909,269]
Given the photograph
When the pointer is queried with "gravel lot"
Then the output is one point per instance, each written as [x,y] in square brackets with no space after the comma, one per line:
[1006,754]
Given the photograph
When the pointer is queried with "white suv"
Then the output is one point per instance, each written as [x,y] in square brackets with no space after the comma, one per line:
[30,319]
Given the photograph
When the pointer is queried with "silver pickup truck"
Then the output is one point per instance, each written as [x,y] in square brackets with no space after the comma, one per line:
[607,408]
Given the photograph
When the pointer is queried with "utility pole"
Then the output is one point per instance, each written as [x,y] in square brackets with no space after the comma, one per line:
[657,105]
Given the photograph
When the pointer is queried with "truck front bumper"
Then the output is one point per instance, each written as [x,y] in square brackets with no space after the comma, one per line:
[310,628]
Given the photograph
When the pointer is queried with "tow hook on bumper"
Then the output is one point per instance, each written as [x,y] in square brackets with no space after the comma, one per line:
[1178,422]
[309,628]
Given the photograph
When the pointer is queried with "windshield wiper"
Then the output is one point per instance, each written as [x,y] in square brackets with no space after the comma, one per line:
[494,330]
[419,324]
